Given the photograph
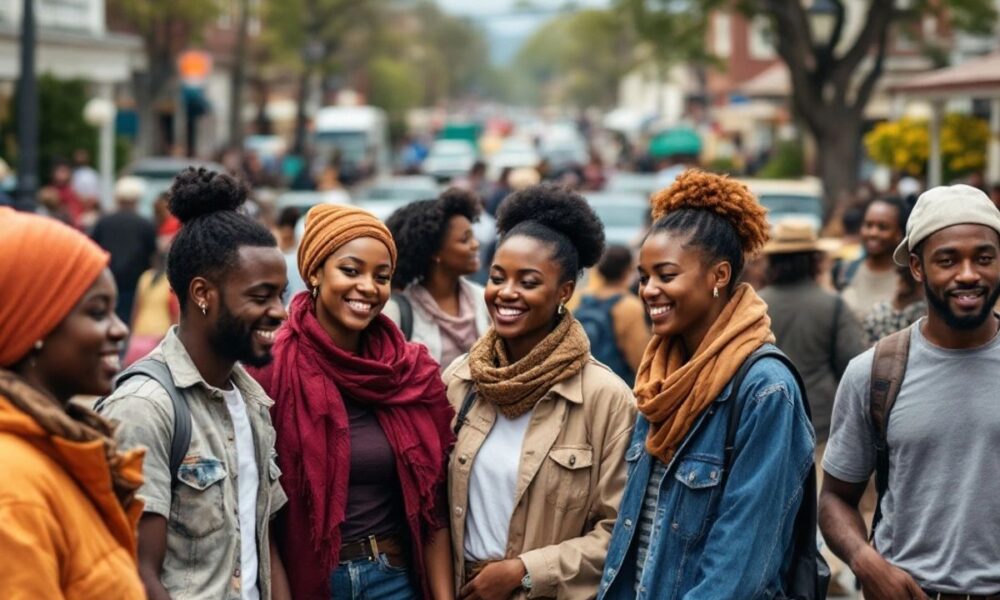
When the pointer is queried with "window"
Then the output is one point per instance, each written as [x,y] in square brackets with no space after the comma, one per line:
[722,35]
[761,39]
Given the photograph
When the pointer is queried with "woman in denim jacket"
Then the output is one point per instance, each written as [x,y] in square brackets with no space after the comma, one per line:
[686,529]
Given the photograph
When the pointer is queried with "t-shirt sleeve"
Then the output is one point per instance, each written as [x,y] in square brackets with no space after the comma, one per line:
[850,455]
[145,422]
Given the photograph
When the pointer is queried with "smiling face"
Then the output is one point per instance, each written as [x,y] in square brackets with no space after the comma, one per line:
[249,306]
[880,231]
[460,249]
[81,355]
[524,291]
[353,288]
[959,267]
[676,284]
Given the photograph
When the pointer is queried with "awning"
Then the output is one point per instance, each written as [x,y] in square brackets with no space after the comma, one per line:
[975,78]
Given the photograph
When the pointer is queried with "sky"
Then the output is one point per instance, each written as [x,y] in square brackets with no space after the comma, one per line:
[491,7]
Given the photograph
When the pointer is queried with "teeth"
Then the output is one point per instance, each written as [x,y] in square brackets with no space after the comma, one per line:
[267,335]
[657,310]
[113,361]
[359,306]
[508,312]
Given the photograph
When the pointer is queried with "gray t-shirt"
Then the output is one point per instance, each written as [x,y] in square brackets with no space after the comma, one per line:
[941,512]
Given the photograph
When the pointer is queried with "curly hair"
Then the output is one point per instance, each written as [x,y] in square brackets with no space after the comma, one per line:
[720,215]
[420,228]
[556,216]
[212,232]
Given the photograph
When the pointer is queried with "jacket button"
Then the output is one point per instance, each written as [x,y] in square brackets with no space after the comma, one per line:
[628,524]
[572,460]
[458,511]
[675,526]
[713,475]
[463,459]
[691,476]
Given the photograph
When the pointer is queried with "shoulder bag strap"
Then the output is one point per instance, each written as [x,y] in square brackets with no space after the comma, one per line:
[888,371]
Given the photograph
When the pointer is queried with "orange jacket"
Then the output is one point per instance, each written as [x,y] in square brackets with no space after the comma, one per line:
[63,533]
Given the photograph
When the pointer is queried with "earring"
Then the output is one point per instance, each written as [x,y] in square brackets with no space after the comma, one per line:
[315,292]
[38,345]
[715,292]
[562,309]
[204,311]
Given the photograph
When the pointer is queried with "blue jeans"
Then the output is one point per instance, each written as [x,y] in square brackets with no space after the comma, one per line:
[372,580]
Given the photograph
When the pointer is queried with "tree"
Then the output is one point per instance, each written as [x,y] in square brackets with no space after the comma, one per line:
[833,81]
[904,145]
[166,28]
[238,76]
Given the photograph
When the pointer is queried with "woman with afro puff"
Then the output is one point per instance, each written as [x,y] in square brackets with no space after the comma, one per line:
[538,468]
[699,519]
[438,249]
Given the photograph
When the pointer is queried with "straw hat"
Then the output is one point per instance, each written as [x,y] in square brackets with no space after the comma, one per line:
[797,235]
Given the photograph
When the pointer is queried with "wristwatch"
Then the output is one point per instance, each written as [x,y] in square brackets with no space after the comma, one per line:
[526,582]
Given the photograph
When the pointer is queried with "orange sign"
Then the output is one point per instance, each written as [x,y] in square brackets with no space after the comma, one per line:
[194,66]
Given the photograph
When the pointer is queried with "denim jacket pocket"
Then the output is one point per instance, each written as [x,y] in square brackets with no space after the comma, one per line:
[197,508]
[698,490]
[568,480]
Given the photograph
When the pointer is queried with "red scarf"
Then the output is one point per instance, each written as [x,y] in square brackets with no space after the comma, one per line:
[307,380]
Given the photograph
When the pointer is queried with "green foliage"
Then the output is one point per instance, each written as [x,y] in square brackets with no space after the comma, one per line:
[786,162]
[395,88]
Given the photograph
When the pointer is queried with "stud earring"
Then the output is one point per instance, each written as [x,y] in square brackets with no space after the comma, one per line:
[39,345]
[715,292]
[204,311]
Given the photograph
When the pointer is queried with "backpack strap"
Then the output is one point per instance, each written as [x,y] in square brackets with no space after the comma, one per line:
[159,372]
[405,314]
[463,412]
[888,371]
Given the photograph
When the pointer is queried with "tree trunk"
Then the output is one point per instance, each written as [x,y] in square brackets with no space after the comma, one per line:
[838,152]
[299,145]
[238,78]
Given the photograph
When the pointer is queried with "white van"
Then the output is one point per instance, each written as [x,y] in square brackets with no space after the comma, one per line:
[359,135]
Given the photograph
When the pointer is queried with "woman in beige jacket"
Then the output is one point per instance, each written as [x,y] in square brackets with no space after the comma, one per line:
[538,470]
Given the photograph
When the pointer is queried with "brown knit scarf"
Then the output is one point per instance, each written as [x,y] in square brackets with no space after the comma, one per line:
[672,393]
[72,422]
[516,388]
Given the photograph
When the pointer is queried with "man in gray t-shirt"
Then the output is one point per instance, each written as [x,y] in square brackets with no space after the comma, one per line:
[939,531]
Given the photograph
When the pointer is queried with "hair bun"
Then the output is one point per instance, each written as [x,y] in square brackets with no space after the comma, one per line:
[199,191]
[733,201]
[561,210]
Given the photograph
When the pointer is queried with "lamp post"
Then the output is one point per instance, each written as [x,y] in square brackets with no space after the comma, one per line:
[100,112]
[823,16]
[27,114]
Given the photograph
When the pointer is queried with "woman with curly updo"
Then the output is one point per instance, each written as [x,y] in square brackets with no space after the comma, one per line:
[705,515]
[539,465]
[438,307]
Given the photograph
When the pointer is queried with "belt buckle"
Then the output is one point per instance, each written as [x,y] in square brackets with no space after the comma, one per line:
[373,545]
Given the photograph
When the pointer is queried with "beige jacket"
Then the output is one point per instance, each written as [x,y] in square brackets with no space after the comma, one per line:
[571,480]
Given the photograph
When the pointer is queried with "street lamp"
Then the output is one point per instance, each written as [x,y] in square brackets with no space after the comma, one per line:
[823,16]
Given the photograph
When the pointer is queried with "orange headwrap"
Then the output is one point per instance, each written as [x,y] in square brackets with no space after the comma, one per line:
[45,267]
[330,226]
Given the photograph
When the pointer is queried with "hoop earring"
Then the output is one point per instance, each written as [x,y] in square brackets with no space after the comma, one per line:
[562,309]
[715,292]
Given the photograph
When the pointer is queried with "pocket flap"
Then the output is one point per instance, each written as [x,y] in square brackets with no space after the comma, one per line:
[634,452]
[697,474]
[573,457]
[201,472]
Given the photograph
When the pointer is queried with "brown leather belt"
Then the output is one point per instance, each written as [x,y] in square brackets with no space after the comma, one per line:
[370,547]
[945,596]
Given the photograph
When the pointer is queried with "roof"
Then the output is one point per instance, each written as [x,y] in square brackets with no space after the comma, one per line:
[772,82]
[977,78]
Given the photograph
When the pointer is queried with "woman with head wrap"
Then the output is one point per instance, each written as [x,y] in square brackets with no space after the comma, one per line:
[363,426]
[67,496]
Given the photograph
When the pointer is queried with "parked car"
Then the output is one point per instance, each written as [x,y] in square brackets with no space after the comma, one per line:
[623,215]
[790,198]
[514,153]
[407,188]
[448,159]
[158,173]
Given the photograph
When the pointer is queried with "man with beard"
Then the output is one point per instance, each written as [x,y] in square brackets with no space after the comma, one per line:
[204,532]
[938,535]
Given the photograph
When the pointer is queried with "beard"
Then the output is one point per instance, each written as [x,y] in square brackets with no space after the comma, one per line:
[233,340]
[939,304]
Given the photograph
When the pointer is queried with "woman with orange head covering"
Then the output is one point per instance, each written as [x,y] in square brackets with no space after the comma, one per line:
[67,496]
[363,426]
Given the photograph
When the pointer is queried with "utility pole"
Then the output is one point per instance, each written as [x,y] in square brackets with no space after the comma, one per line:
[27,114]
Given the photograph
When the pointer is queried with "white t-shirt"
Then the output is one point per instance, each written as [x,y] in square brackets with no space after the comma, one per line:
[248,480]
[492,484]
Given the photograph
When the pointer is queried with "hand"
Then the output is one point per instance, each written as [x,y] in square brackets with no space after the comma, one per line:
[880,580]
[497,581]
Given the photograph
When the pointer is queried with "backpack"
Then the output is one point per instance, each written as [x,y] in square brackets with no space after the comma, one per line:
[808,574]
[158,371]
[405,314]
[844,272]
[888,371]
[595,316]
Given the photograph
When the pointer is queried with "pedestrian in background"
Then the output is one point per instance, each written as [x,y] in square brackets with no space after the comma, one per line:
[696,520]
[903,310]
[363,426]
[156,308]
[438,249]
[130,238]
[69,203]
[205,531]
[67,495]
[288,243]
[871,279]
[538,468]
[613,316]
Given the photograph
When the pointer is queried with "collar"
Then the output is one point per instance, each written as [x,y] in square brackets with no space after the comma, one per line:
[570,389]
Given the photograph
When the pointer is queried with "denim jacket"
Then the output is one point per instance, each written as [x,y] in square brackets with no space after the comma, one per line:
[711,541]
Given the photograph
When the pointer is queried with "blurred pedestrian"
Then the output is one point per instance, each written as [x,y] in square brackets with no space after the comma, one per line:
[436,305]
[994,193]
[366,516]
[205,531]
[131,240]
[288,243]
[69,202]
[890,316]
[67,495]
[538,468]
[871,279]
[500,191]
[698,520]
[85,181]
[5,198]
[613,316]
[156,308]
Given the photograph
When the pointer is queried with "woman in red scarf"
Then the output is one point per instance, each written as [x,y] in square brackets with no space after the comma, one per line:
[363,427]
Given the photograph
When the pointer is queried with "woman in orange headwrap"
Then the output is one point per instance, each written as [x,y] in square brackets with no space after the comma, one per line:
[363,427]
[67,496]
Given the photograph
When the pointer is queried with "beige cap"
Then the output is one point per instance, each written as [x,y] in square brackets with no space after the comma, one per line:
[942,207]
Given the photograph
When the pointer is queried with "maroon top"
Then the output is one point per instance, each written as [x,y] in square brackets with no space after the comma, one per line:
[374,501]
